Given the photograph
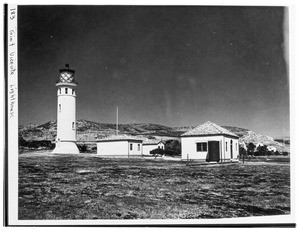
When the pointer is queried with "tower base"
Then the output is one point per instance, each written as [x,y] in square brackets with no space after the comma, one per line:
[65,147]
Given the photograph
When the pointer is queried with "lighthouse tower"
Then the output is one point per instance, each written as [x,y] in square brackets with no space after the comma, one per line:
[66,112]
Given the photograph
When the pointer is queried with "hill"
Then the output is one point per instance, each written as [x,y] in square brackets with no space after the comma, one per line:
[91,131]
[247,136]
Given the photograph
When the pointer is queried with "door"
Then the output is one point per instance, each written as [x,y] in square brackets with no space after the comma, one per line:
[213,151]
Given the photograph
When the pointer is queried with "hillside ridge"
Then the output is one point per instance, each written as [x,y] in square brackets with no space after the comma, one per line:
[92,131]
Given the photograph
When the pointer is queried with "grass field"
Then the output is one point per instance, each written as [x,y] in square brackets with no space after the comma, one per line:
[89,187]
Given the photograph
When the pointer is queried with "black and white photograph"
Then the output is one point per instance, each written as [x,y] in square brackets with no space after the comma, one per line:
[149,114]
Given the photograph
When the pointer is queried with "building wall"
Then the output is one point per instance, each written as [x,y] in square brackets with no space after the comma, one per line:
[149,147]
[161,146]
[188,147]
[119,148]
[137,148]
[112,148]
[235,148]
[66,115]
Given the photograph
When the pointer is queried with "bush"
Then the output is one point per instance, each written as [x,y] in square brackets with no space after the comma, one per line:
[157,151]
[151,137]
[261,151]
[35,144]
[22,142]
[285,153]
[242,151]
[251,148]
[172,148]
[276,153]
[82,147]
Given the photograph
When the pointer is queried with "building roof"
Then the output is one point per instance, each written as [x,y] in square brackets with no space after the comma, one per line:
[119,138]
[208,128]
[151,141]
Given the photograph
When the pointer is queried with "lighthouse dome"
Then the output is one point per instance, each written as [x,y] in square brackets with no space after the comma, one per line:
[66,75]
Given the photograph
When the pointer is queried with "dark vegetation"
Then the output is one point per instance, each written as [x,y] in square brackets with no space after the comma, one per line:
[172,148]
[82,148]
[158,151]
[284,141]
[89,187]
[35,144]
[259,151]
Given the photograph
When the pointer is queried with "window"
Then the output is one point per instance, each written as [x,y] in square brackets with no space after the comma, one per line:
[130,147]
[59,107]
[59,90]
[236,146]
[201,147]
[139,147]
[73,125]
[66,90]
[73,91]
[226,146]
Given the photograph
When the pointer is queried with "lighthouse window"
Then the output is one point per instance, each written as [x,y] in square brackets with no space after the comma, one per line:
[73,91]
[59,106]
[59,90]
[66,90]
[130,147]
[139,147]
[73,125]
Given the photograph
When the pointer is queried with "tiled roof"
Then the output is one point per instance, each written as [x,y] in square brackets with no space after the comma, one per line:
[118,138]
[151,141]
[208,128]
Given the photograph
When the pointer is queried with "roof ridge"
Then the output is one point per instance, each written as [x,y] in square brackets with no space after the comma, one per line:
[208,128]
[217,127]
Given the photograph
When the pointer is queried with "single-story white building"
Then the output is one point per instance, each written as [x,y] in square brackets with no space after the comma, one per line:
[209,142]
[149,145]
[121,145]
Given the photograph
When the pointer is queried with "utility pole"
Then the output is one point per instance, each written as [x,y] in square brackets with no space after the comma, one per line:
[117,121]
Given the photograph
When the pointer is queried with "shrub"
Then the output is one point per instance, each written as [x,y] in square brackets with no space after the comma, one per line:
[172,148]
[262,150]
[285,153]
[276,153]
[242,151]
[22,142]
[151,137]
[251,148]
[35,144]
[82,147]
[157,151]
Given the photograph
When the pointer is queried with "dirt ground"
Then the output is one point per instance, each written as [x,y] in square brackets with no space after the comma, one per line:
[89,187]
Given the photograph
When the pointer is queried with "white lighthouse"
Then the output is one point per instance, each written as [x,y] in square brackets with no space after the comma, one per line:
[66,112]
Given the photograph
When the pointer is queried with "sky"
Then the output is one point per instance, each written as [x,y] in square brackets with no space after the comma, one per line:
[168,65]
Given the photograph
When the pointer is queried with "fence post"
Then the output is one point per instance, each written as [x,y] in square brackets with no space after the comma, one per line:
[187,160]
